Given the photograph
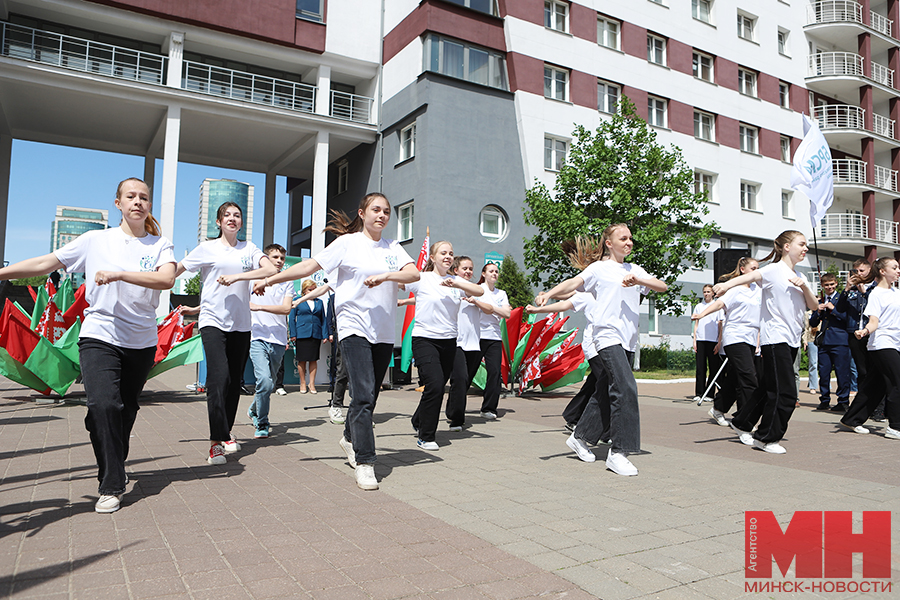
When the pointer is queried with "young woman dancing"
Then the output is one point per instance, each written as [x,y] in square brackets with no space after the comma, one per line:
[125,267]
[706,335]
[369,267]
[225,321]
[494,305]
[438,297]
[785,297]
[617,286]
[883,331]
[740,338]
[468,349]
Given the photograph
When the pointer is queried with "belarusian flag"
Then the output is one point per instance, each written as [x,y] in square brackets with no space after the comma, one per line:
[409,319]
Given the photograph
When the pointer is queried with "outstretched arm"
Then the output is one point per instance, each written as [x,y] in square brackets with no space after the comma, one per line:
[722,287]
[717,305]
[266,268]
[276,309]
[161,279]
[31,267]
[562,290]
[489,309]
[298,271]
[408,274]
[550,308]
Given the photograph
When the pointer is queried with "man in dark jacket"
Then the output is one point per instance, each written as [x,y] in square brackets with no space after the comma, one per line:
[834,347]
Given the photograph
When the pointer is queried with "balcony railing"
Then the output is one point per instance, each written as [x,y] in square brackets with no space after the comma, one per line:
[883,126]
[249,87]
[880,23]
[855,226]
[882,75]
[886,231]
[840,116]
[834,11]
[79,54]
[835,63]
[849,170]
[886,178]
[351,107]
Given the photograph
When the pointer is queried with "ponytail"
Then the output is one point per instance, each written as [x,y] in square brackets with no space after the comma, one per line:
[743,262]
[582,251]
[341,224]
[781,241]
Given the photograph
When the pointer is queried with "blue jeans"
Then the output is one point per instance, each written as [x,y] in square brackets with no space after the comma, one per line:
[812,354]
[624,415]
[366,365]
[266,358]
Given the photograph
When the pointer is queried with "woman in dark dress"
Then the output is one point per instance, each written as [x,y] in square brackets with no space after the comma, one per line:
[308,327]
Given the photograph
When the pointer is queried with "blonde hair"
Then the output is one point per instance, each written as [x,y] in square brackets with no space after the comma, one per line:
[582,251]
[151,225]
[306,285]
[341,224]
[429,266]
[743,262]
[781,241]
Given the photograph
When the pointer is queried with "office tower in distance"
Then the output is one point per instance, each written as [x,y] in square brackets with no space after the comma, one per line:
[72,221]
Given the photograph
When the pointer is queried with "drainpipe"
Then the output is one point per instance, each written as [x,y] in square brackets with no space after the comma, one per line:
[380,105]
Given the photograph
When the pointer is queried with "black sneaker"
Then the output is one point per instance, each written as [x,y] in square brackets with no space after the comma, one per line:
[878,417]
[823,405]
[840,407]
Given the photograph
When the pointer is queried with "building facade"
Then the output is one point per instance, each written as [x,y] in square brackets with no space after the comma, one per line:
[71,222]
[214,193]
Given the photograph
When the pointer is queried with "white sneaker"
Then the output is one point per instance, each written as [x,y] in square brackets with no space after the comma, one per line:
[348,448]
[488,415]
[365,477]
[216,455]
[857,429]
[583,452]
[718,417]
[892,434]
[231,446]
[618,463]
[455,428]
[108,504]
[771,447]
[334,413]
[281,392]
[745,436]
[427,445]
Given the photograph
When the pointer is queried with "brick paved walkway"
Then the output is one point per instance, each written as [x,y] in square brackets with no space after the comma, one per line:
[502,511]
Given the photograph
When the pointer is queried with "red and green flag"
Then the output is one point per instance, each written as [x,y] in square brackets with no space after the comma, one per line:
[409,318]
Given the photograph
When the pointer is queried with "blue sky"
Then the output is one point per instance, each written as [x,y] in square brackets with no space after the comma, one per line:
[43,176]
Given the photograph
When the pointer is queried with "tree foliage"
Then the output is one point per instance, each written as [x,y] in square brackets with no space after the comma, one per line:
[621,174]
[192,287]
[513,281]
[37,280]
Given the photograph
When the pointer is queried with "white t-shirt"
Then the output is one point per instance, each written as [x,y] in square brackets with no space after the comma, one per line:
[469,327]
[366,312]
[615,318]
[490,323]
[584,302]
[783,306]
[437,307]
[121,314]
[224,307]
[266,326]
[742,306]
[884,304]
[708,326]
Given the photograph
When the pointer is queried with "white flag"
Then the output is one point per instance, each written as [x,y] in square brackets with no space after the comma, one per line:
[812,173]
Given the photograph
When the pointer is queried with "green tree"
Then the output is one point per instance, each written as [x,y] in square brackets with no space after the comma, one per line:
[621,174]
[33,281]
[512,281]
[192,287]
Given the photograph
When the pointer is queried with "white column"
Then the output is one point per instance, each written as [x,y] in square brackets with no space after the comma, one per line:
[323,91]
[150,173]
[320,193]
[5,160]
[176,59]
[169,179]
[269,209]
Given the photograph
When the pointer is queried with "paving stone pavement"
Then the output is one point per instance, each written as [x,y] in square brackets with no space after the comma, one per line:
[502,511]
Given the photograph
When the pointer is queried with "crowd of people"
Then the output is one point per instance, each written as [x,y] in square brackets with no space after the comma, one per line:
[755,317]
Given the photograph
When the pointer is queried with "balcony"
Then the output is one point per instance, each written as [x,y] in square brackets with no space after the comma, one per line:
[885,178]
[849,171]
[840,116]
[883,126]
[82,55]
[826,64]
[93,57]
[834,11]
[882,75]
[880,23]
[856,227]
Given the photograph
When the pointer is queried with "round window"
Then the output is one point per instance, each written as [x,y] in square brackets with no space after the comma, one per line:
[494,223]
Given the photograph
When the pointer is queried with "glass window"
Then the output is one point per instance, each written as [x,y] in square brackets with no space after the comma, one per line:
[749,192]
[656,111]
[607,97]
[554,153]
[700,9]
[556,83]
[787,210]
[785,149]
[310,10]
[748,135]
[408,142]
[784,94]
[494,224]
[405,215]
[745,26]
[704,124]
[485,6]
[463,61]
[703,184]
[703,66]
[343,177]
[782,41]
[608,33]
[747,82]
[556,15]
[656,49]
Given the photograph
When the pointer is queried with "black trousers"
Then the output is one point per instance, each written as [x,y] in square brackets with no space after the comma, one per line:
[113,379]
[744,372]
[279,377]
[341,378]
[434,361]
[781,392]
[837,358]
[882,383]
[707,360]
[226,354]
[575,408]
[492,350]
[465,365]
[594,426]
